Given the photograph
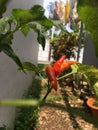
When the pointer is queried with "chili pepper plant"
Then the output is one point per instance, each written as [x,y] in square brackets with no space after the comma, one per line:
[53,72]
[23,20]
[89,73]
[37,21]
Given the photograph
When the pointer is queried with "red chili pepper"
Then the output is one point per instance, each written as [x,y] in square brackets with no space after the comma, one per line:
[51,76]
[57,65]
[67,65]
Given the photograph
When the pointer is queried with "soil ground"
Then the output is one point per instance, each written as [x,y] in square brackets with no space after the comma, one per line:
[64,110]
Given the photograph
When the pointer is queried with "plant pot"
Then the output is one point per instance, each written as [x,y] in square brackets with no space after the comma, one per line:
[94,109]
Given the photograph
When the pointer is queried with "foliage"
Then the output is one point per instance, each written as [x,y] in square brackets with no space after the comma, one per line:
[3,4]
[27,66]
[87,10]
[27,117]
[23,20]
[91,75]
[64,43]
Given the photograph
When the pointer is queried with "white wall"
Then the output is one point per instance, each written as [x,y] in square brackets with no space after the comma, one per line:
[13,83]
[44,56]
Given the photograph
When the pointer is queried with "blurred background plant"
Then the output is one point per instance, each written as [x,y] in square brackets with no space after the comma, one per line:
[64,44]
[87,11]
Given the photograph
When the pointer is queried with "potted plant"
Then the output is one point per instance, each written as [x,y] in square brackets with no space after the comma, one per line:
[93,102]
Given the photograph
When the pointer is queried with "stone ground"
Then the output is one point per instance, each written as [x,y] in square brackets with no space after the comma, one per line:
[66,111]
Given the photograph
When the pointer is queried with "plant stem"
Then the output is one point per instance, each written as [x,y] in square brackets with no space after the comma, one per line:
[65,75]
[19,102]
[48,91]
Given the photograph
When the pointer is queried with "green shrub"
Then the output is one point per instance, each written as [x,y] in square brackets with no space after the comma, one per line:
[64,44]
[27,117]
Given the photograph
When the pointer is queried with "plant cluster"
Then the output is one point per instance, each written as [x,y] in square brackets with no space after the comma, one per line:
[64,43]
[91,75]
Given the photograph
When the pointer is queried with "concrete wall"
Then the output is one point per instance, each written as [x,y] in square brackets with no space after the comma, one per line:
[13,83]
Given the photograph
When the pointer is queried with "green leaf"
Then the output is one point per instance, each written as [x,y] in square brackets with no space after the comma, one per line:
[3,23]
[3,6]
[30,67]
[25,29]
[9,51]
[33,26]
[91,75]
[6,38]
[41,37]
[35,14]
[47,23]
[74,68]
[41,40]
[29,15]
[89,72]
[37,11]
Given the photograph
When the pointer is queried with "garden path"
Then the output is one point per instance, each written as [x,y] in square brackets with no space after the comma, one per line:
[64,112]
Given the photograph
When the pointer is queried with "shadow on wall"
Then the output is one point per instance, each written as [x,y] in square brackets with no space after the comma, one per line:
[89,57]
